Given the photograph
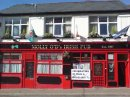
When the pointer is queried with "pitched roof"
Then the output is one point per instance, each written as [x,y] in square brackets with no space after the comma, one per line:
[128,6]
[88,6]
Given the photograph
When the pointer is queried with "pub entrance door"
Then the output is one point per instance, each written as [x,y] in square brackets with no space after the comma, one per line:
[99,74]
[29,70]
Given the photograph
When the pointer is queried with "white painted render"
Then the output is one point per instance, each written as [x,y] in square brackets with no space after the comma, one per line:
[123,21]
[80,26]
[1,27]
[37,24]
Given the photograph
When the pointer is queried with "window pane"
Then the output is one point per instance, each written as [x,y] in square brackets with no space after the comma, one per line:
[24,21]
[39,68]
[13,68]
[85,66]
[85,57]
[49,29]
[59,56]
[110,56]
[67,28]
[16,56]
[67,19]
[93,29]
[122,57]
[56,56]
[43,68]
[16,21]
[111,71]
[112,28]
[8,21]
[23,30]
[19,68]
[57,30]
[49,20]
[99,57]
[98,69]
[93,19]
[102,19]
[103,29]
[112,19]
[15,30]
[1,68]
[43,56]
[6,56]
[6,68]
[7,31]
[56,69]
[58,20]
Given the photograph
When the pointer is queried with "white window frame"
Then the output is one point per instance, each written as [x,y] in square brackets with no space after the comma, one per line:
[98,23]
[19,25]
[54,24]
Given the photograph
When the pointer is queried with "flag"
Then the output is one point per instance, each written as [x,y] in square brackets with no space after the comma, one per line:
[30,35]
[121,32]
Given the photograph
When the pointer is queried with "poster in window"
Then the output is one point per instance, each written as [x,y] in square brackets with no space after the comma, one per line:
[80,74]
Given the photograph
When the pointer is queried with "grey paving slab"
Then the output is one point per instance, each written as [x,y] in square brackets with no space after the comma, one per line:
[68,92]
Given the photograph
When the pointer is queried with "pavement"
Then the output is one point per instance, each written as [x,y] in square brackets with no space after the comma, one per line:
[76,91]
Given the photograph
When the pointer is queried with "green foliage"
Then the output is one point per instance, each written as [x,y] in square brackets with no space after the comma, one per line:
[113,30]
[48,35]
[7,34]
[67,35]
[23,33]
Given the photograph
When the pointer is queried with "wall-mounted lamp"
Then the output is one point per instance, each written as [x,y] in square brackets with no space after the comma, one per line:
[58,40]
[15,40]
[104,39]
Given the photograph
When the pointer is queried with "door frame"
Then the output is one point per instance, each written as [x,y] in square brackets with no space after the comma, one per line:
[25,60]
[104,73]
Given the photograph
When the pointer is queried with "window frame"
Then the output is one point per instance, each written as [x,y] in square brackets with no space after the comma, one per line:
[54,24]
[58,61]
[19,25]
[98,23]
[11,62]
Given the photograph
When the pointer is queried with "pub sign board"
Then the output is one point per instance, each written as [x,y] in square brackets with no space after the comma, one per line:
[66,45]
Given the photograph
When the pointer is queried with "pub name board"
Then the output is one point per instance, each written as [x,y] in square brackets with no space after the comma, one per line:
[65,46]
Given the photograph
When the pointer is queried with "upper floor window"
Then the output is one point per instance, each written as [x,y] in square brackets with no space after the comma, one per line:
[58,26]
[102,25]
[16,27]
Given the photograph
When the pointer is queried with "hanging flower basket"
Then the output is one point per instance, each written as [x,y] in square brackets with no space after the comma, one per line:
[66,54]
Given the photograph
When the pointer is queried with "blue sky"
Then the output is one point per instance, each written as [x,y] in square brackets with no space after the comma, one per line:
[7,3]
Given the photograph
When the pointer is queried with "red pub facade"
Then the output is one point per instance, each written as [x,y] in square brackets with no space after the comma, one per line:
[62,49]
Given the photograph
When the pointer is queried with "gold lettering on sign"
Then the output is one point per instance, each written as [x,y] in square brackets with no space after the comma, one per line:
[65,46]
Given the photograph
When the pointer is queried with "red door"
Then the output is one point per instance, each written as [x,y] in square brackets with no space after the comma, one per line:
[29,70]
[99,74]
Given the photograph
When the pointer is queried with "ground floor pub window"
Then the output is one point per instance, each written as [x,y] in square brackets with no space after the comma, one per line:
[11,63]
[54,68]
[49,63]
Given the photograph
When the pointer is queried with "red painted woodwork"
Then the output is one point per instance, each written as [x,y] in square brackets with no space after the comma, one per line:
[101,79]
[39,85]
[66,82]
[99,74]
[29,70]
[19,75]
